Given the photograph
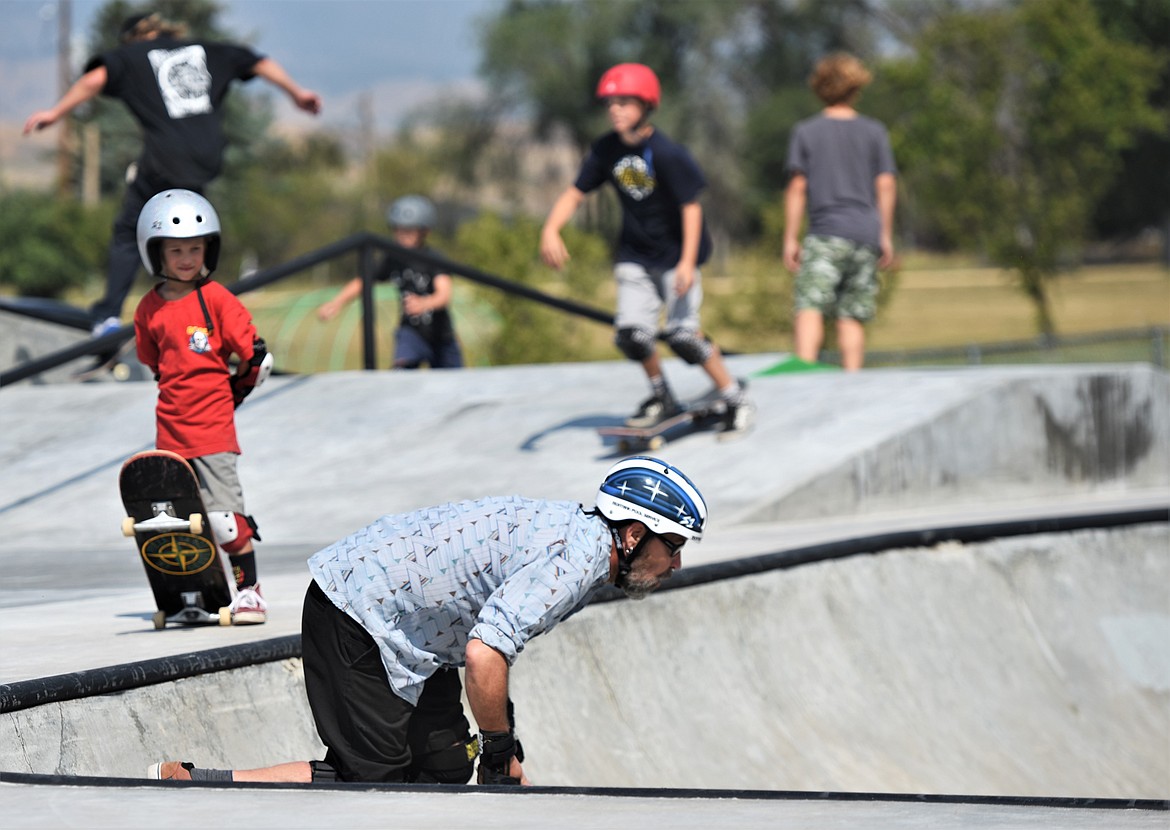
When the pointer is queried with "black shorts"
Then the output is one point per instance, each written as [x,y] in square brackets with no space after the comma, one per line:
[371,733]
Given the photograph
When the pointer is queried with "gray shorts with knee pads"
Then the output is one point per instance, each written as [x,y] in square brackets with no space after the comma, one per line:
[219,483]
[642,295]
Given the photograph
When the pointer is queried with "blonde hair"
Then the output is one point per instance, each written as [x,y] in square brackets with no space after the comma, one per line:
[151,25]
[839,78]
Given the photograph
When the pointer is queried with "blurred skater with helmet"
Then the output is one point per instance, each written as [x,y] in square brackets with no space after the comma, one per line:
[662,244]
[425,333]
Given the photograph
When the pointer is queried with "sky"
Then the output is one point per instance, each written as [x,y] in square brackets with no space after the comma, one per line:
[401,53]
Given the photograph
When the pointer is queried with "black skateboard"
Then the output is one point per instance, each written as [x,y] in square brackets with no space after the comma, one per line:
[696,415]
[165,515]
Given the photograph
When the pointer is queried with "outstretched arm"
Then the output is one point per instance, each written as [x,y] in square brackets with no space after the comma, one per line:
[552,246]
[275,74]
[87,87]
[348,293]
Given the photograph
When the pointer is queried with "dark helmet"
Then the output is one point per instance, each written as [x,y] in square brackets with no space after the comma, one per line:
[654,493]
[411,212]
[177,214]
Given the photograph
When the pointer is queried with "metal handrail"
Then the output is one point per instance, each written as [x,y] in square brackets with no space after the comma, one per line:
[366,244]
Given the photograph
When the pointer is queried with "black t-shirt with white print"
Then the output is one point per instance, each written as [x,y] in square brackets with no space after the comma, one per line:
[653,180]
[175,89]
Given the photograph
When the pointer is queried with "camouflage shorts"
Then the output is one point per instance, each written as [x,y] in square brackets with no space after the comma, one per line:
[837,277]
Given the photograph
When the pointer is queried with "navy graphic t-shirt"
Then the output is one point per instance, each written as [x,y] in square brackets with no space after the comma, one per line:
[653,181]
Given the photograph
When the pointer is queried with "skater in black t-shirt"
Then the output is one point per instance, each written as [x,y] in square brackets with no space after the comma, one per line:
[175,88]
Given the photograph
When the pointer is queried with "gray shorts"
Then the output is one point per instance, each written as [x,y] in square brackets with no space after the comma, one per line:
[837,277]
[642,295]
[219,483]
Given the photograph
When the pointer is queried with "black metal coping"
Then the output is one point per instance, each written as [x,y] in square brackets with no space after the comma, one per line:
[27,694]
[1067,802]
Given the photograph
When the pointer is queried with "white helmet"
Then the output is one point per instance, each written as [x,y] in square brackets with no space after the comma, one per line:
[654,493]
[177,214]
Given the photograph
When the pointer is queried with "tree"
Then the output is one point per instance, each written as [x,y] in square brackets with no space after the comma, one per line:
[48,245]
[1016,120]
[733,77]
[1139,197]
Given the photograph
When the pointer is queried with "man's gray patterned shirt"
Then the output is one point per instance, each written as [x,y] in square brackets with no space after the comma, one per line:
[501,570]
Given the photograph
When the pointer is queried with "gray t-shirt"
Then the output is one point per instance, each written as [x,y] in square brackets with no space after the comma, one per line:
[841,158]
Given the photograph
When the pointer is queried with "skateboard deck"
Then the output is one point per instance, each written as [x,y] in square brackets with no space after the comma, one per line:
[701,414]
[165,515]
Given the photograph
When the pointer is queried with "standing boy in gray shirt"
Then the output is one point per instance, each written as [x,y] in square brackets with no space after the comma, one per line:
[842,170]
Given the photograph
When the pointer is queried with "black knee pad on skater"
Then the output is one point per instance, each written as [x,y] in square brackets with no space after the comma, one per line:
[447,758]
[690,345]
[635,343]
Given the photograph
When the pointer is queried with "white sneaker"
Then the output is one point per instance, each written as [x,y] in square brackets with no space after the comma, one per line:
[249,608]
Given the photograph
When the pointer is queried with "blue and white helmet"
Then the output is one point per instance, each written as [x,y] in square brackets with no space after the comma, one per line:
[654,493]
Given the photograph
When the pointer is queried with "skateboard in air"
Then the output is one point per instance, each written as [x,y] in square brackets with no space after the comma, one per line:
[166,517]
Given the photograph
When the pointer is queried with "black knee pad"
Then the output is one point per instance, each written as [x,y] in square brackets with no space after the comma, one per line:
[690,345]
[635,343]
[447,758]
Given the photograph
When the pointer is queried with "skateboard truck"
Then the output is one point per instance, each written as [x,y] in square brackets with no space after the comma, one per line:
[164,520]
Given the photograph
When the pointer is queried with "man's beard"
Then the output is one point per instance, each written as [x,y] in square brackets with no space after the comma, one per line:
[637,585]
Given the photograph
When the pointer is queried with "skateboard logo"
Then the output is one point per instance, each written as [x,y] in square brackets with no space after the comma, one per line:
[197,340]
[178,554]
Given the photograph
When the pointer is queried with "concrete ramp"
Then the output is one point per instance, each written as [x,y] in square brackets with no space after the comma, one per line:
[1030,666]
[326,454]
[1035,666]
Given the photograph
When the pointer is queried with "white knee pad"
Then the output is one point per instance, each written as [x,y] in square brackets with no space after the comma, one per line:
[232,530]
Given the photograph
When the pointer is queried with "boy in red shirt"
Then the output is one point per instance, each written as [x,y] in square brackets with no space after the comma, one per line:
[186,328]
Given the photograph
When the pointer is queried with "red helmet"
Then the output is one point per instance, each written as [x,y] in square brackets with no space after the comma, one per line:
[633,79]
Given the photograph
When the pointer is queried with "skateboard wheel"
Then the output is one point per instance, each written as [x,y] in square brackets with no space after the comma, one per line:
[624,446]
[159,619]
[121,372]
[196,522]
[225,615]
[656,443]
[128,526]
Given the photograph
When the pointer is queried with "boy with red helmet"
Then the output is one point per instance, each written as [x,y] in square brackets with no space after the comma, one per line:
[663,242]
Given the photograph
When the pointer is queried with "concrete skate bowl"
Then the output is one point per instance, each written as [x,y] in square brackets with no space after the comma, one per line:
[1031,666]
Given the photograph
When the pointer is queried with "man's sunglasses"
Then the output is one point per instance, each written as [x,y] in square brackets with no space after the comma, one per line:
[673,547]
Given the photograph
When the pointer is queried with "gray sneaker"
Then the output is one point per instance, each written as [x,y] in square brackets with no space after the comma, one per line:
[654,410]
